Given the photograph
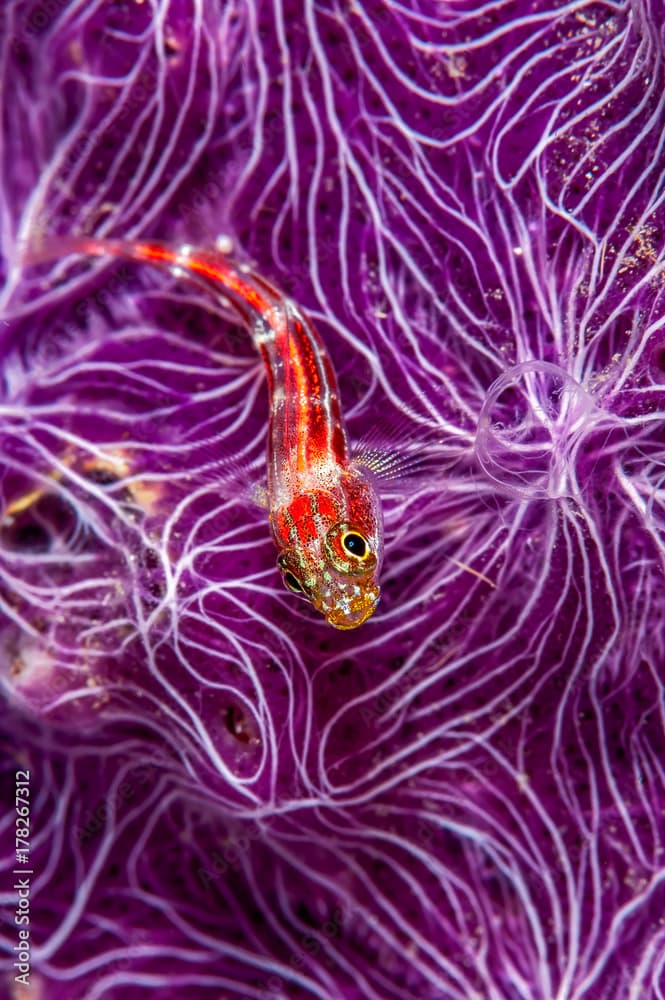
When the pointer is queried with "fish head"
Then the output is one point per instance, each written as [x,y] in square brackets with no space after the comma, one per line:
[335,550]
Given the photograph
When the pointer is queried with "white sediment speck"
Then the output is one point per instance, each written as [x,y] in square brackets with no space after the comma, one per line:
[224,244]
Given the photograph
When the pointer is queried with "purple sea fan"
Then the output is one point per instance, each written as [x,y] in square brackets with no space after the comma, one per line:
[466,796]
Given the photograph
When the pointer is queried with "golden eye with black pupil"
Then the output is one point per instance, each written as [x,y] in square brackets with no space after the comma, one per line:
[355,545]
[292,582]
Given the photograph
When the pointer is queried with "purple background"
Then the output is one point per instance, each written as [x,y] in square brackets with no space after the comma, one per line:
[465,798]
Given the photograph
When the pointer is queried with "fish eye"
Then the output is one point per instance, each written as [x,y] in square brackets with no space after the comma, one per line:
[292,582]
[355,544]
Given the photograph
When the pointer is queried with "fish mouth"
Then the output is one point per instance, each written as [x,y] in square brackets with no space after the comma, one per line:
[355,612]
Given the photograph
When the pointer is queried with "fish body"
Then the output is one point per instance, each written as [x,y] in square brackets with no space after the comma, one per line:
[325,515]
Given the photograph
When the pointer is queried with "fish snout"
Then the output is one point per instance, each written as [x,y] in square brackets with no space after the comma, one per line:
[351,611]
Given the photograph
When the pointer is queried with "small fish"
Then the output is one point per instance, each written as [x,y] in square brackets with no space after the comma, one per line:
[325,515]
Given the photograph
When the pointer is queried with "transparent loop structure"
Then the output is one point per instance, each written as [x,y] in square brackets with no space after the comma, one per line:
[530,428]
